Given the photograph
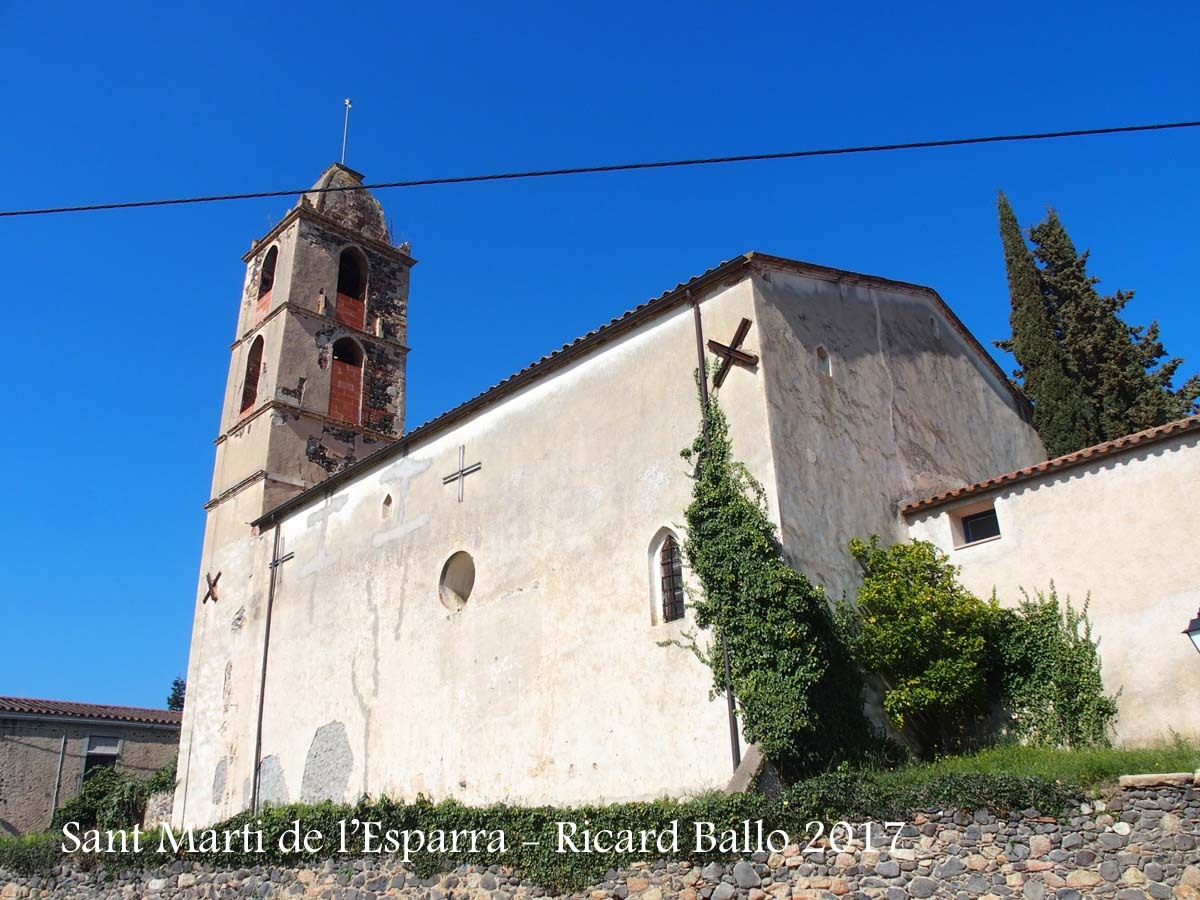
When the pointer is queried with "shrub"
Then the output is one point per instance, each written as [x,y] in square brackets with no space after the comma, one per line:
[108,799]
[924,636]
[163,779]
[28,854]
[1050,674]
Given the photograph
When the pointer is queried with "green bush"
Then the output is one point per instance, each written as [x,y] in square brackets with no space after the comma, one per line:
[108,798]
[853,796]
[28,854]
[925,637]
[1050,674]
[163,779]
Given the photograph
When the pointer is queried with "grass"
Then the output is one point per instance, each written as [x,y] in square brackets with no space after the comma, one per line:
[1086,768]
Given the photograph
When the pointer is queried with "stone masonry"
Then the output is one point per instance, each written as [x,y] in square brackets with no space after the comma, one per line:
[1142,843]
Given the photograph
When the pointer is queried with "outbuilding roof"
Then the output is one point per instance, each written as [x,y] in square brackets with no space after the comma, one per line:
[132,714]
[1079,457]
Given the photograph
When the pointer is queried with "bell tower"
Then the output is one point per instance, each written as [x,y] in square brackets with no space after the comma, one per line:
[316,382]
[316,376]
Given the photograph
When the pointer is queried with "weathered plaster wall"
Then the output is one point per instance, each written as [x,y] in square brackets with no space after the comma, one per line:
[1123,530]
[550,683]
[225,657]
[29,755]
[910,408]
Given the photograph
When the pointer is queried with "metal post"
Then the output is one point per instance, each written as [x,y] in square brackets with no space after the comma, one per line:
[735,744]
[262,685]
[62,752]
[345,128]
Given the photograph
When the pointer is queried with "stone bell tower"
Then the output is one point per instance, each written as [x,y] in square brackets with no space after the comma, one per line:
[316,382]
[316,379]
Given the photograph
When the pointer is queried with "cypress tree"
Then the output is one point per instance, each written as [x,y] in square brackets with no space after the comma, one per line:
[1091,377]
[1062,414]
[1118,366]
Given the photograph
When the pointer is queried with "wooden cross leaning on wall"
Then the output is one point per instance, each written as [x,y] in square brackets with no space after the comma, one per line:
[730,353]
[212,587]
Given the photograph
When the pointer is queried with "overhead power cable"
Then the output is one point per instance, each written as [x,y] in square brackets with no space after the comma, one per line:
[617,167]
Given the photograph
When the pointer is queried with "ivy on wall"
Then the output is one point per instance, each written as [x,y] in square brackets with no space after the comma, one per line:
[799,699]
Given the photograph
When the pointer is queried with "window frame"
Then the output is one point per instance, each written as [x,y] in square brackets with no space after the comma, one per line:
[960,521]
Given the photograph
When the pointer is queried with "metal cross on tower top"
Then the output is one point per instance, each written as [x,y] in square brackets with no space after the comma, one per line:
[463,471]
[731,355]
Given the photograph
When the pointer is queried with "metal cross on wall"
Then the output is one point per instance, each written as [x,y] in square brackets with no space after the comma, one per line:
[731,355]
[463,471]
[212,588]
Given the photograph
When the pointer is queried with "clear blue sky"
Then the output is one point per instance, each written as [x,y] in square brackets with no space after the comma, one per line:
[118,324]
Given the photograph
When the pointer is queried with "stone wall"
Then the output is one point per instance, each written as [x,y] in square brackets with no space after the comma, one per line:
[1140,844]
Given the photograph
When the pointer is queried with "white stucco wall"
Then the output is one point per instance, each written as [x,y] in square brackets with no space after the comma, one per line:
[910,407]
[549,685]
[1123,529]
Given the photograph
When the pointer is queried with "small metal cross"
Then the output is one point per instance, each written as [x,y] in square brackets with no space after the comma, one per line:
[731,355]
[463,471]
[276,563]
[212,588]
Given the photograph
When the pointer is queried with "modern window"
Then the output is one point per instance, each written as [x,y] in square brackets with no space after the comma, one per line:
[670,563]
[102,750]
[253,370]
[980,526]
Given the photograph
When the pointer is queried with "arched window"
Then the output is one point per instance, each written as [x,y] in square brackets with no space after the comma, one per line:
[824,362]
[253,369]
[351,288]
[266,281]
[670,565]
[345,386]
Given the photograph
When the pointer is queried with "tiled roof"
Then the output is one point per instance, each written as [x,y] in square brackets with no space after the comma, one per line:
[617,326]
[132,714]
[1079,457]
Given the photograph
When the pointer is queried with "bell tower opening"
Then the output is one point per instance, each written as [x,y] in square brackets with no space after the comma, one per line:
[345,386]
[266,281]
[352,288]
[253,370]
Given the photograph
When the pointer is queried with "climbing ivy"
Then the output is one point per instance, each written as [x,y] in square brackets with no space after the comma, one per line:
[1050,669]
[798,698]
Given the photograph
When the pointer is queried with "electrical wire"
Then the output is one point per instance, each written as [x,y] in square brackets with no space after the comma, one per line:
[617,167]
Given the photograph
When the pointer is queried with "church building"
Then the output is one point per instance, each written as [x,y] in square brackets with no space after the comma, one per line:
[476,607]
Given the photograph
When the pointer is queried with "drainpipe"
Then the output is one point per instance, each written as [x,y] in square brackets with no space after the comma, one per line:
[62,752]
[735,747]
[262,685]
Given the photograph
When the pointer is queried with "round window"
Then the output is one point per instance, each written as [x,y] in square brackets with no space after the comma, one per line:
[458,577]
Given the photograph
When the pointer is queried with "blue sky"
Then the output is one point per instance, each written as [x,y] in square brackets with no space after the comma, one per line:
[119,323]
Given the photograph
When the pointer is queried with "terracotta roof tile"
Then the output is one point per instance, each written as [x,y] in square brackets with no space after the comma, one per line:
[1079,457]
[132,714]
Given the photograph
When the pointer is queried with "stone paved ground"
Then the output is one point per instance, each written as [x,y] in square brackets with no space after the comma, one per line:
[1141,844]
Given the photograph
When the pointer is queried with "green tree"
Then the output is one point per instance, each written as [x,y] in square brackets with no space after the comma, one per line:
[925,637]
[175,698]
[800,699]
[1062,414]
[1093,376]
